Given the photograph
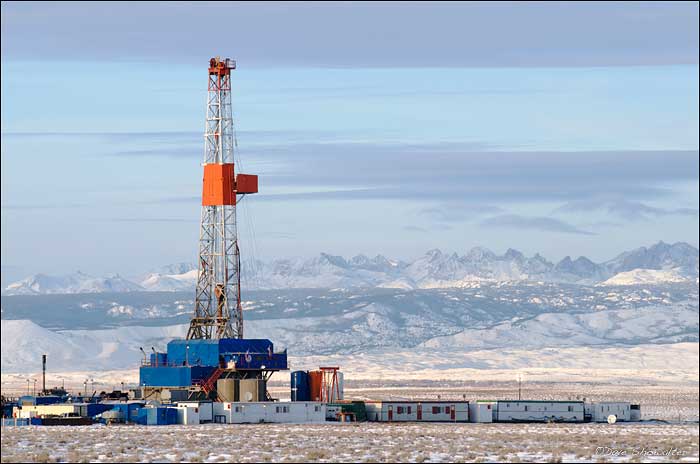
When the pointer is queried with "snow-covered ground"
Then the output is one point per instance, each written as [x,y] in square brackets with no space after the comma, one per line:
[105,331]
[644,276]
[667,366]
[366,442]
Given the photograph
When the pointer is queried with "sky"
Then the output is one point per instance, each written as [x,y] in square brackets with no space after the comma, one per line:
[563,129]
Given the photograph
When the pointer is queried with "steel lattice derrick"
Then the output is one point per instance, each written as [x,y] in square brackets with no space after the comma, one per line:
[218,312]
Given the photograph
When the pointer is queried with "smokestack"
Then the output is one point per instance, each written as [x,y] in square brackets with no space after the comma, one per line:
[43,376]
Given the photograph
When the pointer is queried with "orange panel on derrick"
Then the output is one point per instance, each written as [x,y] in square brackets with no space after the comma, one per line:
[246,183]
[218,187]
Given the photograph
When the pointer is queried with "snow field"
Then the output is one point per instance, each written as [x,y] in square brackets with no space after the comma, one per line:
[367,442]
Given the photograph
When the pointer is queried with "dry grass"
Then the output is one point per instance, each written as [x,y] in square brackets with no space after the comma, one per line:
[349,443]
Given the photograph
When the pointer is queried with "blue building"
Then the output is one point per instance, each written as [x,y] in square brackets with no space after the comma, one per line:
[190,369]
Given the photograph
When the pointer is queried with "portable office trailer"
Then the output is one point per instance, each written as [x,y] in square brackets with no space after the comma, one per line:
[15,422]
[20,413]
[29,410]
[481,412]
[187,414]
[635,413]
[274,412]
[92,409]
[157,416]
[417,411]
[128,410]
[539,411]
[206,409]
[599,412]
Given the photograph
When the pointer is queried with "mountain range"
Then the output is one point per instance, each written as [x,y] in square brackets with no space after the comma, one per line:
[431,328]
[659,263]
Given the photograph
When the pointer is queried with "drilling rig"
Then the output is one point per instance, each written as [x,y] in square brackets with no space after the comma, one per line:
[215,361]
[218,312]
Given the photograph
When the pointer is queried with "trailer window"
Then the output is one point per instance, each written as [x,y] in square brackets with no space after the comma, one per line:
[526,407]
[399,410]
[571,408]
[447,409]
[436,409]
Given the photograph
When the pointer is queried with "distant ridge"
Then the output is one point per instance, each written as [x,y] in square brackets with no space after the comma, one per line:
[659,263]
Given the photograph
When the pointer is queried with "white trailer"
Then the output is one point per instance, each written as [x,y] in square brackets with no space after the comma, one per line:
[188,414]
[600,411]
[417,411]
[298,412]
[481,411]
[539,411]
[635,413]
[205,409]
[31,410]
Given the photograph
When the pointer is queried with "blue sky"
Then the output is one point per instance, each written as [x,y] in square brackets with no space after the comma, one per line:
[551,128]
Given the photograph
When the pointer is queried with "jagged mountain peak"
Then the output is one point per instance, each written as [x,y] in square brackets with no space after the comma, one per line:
[513,254]
[433,269]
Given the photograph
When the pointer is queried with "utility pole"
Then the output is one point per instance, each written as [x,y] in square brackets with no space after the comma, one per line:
[520,384]
[43,373]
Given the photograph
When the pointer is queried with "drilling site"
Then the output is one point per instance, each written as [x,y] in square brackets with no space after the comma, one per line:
[216,375]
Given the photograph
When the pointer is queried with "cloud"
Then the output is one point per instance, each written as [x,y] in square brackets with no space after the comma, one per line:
[454,181]
[152,219]
[414,229]
[545,224]
[624,209]
[359,35]
[458,212]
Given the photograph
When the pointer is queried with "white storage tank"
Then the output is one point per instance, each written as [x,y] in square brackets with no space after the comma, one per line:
[226,389]
[341,386]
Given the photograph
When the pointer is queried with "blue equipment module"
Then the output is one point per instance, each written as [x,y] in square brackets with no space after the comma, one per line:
[191,361]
